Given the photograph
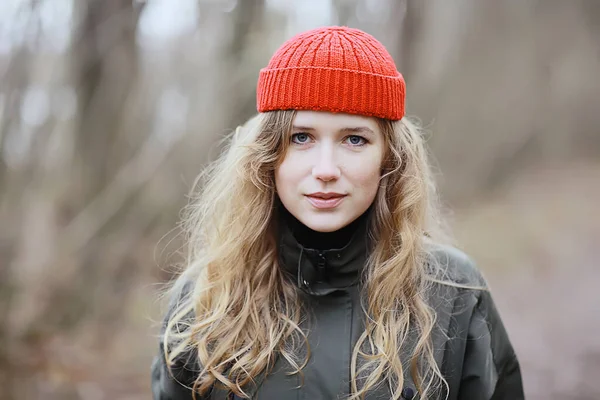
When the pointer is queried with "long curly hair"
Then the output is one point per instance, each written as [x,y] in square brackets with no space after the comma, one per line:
[241,312]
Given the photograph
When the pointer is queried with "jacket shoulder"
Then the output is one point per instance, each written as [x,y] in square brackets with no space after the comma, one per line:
[449,264]
[175,381]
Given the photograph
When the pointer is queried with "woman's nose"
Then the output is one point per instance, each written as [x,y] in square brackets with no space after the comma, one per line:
[326,168]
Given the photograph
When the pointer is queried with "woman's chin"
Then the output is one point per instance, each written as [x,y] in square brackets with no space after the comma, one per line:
[325,223]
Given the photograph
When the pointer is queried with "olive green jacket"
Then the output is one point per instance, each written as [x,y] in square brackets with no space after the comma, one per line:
[471,345]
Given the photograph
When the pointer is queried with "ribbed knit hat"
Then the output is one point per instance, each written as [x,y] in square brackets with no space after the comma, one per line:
[335,69]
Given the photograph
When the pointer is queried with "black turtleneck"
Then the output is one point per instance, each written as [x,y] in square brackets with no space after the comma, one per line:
[320,240]
[321,263]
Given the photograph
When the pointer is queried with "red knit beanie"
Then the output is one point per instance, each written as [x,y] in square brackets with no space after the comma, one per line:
[335,69]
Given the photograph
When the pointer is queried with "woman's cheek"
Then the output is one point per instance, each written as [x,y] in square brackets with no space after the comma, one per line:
[365,171]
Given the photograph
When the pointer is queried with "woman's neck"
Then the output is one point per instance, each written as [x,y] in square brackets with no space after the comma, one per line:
[320,240]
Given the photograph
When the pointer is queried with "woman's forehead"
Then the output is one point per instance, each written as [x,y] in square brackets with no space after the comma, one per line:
[328,121]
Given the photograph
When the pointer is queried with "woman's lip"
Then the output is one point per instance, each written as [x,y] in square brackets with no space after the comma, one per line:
[321,203]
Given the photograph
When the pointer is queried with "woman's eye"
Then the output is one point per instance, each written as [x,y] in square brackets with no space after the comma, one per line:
[355,140]
[300,138]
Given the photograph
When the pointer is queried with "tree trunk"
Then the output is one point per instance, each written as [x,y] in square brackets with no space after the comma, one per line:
[105,65]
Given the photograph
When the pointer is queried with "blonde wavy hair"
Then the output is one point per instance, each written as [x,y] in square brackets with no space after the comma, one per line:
[241,312]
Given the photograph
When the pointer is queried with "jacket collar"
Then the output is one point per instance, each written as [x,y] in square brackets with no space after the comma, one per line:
[321,272]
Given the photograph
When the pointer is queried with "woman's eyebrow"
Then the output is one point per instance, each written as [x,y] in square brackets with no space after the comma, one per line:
[358,129]
[352,130]
[302,128]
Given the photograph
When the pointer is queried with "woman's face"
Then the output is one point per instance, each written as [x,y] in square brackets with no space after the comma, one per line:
[330,173]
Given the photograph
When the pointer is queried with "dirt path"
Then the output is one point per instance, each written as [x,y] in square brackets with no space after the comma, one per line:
[539,245]
[553,319]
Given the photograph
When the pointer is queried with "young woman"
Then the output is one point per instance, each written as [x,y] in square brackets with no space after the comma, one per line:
[315,270]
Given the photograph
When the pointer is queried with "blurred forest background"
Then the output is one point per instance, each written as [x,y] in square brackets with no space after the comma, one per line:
[110,108]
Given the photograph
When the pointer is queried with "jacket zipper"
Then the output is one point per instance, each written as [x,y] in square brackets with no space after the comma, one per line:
[321,267]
